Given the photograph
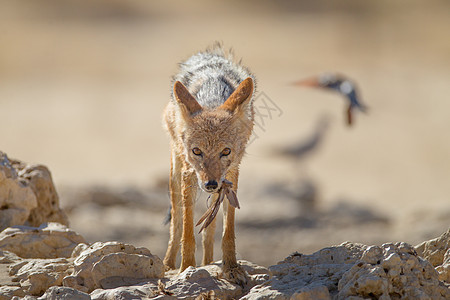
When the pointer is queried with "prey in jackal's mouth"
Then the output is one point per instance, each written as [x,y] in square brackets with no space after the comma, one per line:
[211,213]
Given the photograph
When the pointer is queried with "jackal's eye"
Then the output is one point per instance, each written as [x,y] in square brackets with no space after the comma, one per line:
[225,152]
[197,151]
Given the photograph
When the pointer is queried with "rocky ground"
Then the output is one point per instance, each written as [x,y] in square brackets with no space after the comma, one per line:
[42,258]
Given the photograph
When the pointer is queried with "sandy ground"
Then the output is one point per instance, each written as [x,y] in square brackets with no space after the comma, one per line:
[83,86]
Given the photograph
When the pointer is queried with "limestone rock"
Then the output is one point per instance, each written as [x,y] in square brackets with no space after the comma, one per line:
[318,292]
[27,297]
[27,195]
[192,282]
[64,293]
[8,288]
[78,249]
[39,179]
[37,275]
[7,257]
[305,276]
[21,277]
[392,271]
[50,240]
[114,270]
[444,269]
[145,291]
[111,264]
[435,249]
[8,292]
[17,199]
[256,274]
[437,252]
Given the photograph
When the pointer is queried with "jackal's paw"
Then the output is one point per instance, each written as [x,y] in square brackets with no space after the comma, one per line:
[236,275]
[169,264]
[168,268]
[185,265]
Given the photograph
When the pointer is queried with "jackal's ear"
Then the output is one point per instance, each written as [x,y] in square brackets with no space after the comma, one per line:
[240,96]
[186,101]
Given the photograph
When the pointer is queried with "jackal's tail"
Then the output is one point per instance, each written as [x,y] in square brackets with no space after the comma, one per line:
[168,216]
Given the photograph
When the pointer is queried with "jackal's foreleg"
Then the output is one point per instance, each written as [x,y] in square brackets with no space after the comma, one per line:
[176,221]
[231,268]
[188,193]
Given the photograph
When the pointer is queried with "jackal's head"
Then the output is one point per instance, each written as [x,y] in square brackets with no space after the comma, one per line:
[214,140]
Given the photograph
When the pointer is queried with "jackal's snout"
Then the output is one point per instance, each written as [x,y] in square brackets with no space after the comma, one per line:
[211,185]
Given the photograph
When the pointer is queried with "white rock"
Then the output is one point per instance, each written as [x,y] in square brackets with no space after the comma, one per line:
[437,252]
[444,269]
[8,292]
[193,282]
[27,195]
[256,274]
[126,293]
[17,199]
[113,263]
[435,249]
[372,255]
[64,293]
[300,274]
[7,257]
[39,179]
[47,241]
[396,271]
[27,297]
[37,275]
[124,265]
[312,292]
[78,249]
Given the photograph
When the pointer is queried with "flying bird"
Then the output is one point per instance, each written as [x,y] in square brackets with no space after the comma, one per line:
[341,84]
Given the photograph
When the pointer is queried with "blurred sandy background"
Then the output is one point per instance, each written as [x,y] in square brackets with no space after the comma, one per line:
[83,85]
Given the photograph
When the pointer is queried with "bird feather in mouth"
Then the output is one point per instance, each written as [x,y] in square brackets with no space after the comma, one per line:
[210,214]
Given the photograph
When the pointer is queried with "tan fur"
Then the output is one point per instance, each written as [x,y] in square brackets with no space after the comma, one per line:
[210,130]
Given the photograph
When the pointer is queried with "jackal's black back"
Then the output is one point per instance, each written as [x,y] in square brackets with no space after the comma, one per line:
[212,76]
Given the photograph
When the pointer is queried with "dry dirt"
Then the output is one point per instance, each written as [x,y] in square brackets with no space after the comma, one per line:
[83,86]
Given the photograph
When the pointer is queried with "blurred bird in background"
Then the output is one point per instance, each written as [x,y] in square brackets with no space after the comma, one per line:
[306,146]
[341,84]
